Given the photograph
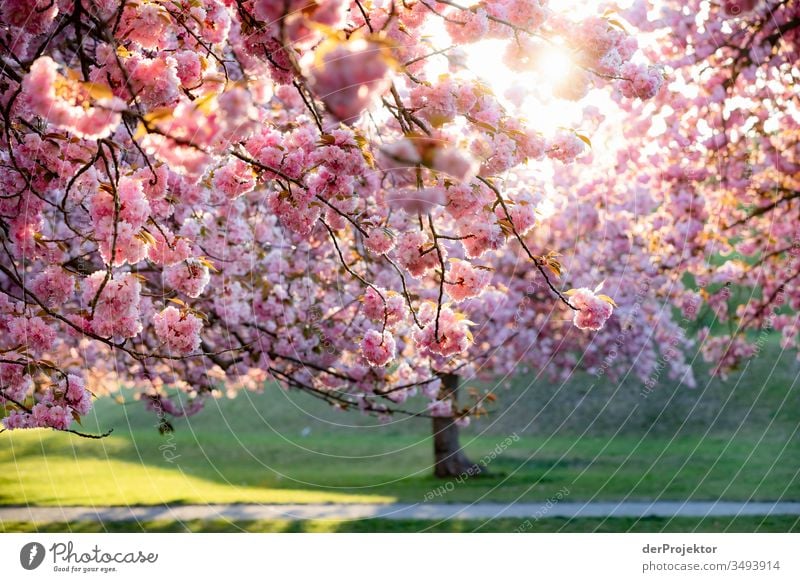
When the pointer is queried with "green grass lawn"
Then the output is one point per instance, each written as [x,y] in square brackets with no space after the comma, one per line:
[649,524]
[214,467]
[735,440]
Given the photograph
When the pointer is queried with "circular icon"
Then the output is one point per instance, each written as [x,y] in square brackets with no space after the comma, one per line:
[31,555]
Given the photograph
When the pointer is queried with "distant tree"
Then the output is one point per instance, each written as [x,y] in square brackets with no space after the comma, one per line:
[718,153]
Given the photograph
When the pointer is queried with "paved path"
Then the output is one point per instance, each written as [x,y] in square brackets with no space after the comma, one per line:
[434,511]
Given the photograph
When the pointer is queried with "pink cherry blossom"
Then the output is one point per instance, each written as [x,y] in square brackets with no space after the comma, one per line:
[54,285]
[349,77]
[114,304]
[33,333]
[61,101]
[463,280]
[380,240]
[190,277]
[376,216]
[641,82]
[179,331]
[378,348]
[592,311]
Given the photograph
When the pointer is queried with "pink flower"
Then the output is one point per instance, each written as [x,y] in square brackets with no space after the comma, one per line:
[18,419]
[234,179]
[48,415]
[179,331]
[54,286]
[168,249]
[146,23]
[374,304]
[33,16]
[415,254]
[183,137]
[120,240]
[522,212]
[75,394]
[464,200]
[155,81]
[116,308]
[14,382]
[216,21]
[440,408]
[527,14]
[189,277]
[380,240]
[32,332]
[267,11]
[466,26]
[437,103]
[378,348]
[593,310]
[296,215]
[122,235]
[348,77]
[393,310]
[565,147]
[61,101]
[190,68]
[642,82]
[134,207]
[480,234]
[453,337]
[464,281]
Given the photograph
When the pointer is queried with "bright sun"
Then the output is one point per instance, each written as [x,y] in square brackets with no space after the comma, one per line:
[527,94]
[555,64]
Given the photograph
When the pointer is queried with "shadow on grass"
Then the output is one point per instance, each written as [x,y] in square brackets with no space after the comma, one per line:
[746,524]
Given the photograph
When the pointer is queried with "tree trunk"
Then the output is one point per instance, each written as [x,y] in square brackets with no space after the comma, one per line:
[450,460]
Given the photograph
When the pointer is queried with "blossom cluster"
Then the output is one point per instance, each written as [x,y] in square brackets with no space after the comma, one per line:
[204,196]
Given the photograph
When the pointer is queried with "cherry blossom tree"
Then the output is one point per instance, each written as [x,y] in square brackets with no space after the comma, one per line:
[199,197]
[696,206]
[718,154]
[522,332]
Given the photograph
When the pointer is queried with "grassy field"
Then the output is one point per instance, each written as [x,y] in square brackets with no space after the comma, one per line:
[650,524]
[215,467]
[735,440]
